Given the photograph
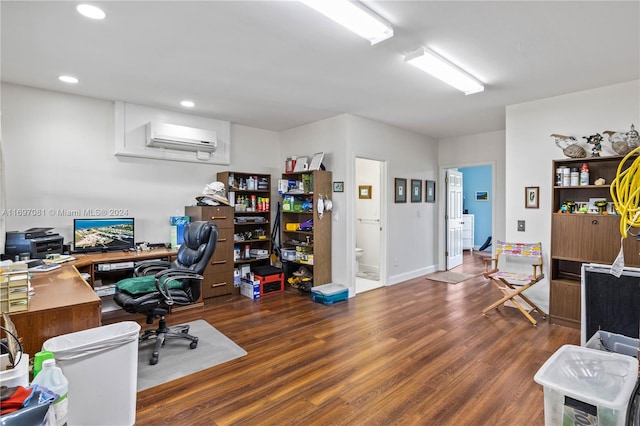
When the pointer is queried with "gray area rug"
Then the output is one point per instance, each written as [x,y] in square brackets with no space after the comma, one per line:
[449,277]
[177,360]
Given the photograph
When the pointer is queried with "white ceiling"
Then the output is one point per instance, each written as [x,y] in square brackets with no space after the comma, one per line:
[279,64]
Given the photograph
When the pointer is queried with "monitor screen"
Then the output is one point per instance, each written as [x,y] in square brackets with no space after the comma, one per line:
[103,234]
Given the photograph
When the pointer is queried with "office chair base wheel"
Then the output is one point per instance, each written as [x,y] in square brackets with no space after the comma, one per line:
[153,360]
[193,345]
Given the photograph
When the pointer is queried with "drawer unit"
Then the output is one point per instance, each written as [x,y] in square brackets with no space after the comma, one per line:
[218,277]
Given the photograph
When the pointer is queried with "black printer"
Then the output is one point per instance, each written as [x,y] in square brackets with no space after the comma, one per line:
[38,242]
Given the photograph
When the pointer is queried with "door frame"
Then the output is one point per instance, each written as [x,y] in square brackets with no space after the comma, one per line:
[352,194]
[442,193]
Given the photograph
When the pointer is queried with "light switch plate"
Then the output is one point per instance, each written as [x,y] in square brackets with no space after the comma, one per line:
[521,226]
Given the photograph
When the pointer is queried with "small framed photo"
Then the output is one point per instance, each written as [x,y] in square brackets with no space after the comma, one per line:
[338,186]
[364,192]
[401,190]
[430,191]
[416,191]
[532,197]
[482,195]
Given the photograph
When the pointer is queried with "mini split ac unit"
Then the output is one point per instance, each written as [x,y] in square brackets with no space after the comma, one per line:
[182,138]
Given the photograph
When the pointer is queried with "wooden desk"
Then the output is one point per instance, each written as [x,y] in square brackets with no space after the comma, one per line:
[88,263]
[85,262]
[63,303]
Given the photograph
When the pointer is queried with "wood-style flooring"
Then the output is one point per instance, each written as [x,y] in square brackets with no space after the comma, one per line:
[416,353]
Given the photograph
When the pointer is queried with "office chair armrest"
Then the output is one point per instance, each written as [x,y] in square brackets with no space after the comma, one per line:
[150,267]
[164,277]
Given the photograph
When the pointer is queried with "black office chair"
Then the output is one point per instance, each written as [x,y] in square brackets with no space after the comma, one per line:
[157,286]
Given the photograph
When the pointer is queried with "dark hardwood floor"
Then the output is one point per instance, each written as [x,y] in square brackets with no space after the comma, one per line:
[416,353]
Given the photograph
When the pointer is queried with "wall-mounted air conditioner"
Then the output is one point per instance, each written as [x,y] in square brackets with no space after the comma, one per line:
[182,138]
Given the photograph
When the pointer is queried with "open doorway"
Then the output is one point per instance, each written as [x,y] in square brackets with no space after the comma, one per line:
[470,233]
[477,207]
[368,203]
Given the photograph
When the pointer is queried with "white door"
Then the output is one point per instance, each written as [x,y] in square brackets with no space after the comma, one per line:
[454,218]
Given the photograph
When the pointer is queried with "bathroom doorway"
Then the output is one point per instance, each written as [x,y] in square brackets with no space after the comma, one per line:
[368,249]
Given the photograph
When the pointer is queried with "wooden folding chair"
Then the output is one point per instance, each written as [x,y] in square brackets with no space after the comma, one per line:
[510,271]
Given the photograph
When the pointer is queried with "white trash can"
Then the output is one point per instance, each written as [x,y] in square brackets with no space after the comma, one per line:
[101,365]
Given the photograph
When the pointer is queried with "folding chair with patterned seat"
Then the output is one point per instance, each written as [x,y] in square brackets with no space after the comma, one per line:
[511,273]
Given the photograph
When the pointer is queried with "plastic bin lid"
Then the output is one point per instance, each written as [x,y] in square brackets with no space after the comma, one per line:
[328,289]
[604,379]
[97,339]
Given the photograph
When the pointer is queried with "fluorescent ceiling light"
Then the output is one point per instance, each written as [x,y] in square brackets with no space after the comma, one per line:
[68,79]
[434,64]
[355,17]
[187,104]
[90,11]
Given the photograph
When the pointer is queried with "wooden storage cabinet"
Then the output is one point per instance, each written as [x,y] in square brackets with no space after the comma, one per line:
[578,238]
[564,302]
[314,246]
[218,277]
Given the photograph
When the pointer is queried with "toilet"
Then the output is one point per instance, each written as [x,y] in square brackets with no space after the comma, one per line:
[359,253]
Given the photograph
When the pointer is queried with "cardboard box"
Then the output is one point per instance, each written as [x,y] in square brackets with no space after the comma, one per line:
[250,289]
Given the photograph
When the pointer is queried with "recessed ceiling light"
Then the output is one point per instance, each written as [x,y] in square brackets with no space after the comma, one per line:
[90,11]
[68,79]
[188,104]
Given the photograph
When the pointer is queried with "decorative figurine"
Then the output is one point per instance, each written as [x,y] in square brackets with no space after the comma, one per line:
[619,141]
[569,146]
[633,138]
[596,141]
[602,206]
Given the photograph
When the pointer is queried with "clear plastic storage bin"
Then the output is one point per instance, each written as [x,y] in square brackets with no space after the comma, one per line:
[587,386]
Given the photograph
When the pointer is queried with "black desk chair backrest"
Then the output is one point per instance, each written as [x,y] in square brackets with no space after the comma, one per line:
[195,252]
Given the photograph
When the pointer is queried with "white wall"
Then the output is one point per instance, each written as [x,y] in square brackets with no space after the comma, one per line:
[530,150]
[411,239]
[468,151]
[59,155]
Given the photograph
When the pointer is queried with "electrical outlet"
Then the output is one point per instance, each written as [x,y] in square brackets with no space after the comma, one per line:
[521,226]
[396,262]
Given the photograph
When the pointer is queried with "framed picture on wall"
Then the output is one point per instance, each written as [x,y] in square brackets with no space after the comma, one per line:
[482,195]
[401,190]
[364,192]
[338,186]
[531,194]
[416,190]
[430,191]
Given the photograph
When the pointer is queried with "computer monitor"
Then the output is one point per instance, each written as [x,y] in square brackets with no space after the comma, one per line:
[91,235]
